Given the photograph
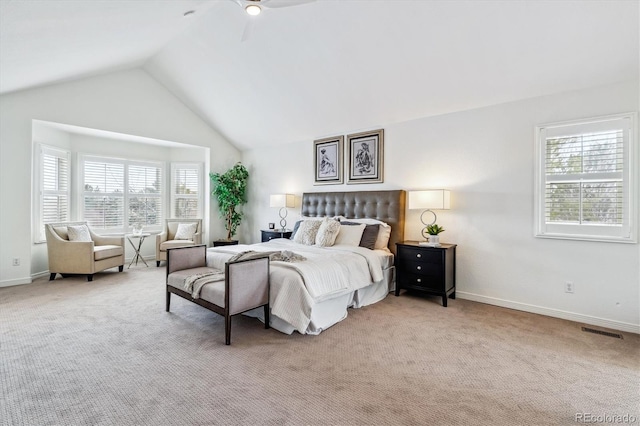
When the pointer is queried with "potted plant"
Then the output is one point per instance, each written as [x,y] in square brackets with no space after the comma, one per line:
[433,230]
[230,190]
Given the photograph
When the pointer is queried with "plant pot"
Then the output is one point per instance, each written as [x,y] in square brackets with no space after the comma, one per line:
[219,243]
[434,240]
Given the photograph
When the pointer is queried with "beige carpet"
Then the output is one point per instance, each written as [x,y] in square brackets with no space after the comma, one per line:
[106,353]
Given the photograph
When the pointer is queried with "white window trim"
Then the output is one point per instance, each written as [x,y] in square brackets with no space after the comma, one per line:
[200,196]
[41,149]
[82,157]
[630,177]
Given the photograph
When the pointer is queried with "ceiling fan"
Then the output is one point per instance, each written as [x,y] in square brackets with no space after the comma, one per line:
[254,7]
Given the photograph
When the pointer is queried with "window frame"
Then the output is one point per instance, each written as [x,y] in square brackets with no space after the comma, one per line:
[627,232]
[127,163]
[39,235]
[199,167]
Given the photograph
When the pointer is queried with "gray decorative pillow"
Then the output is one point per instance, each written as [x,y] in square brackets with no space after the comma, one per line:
[79,233]
[369,236]
[307,232]
[327,232]
[295,229]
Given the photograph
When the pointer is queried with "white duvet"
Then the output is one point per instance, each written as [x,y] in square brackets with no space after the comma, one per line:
[296,286]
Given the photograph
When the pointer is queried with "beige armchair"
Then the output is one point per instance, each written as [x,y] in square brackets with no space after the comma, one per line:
[167,238]
[81,257]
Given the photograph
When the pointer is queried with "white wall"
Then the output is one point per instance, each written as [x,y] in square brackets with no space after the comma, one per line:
[128,102]
[485,157]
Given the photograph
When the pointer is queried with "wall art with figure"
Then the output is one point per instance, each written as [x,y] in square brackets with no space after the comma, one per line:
[366,157]
[328,161]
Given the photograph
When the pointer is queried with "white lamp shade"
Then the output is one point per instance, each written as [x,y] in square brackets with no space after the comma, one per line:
[282,200]
[438,199]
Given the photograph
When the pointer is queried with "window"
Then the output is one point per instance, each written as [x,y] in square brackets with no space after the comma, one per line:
[117,194]
[53,193]
[186,190]
[586,174]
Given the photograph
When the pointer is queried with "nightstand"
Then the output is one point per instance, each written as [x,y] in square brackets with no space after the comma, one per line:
[429,270]
[270,234]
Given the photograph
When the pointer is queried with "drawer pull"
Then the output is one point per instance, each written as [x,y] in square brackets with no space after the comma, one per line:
[419,280]
[419,268]
[418,255]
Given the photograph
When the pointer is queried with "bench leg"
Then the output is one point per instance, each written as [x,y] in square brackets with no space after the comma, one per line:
[227,329]
[267,320]
[168,301]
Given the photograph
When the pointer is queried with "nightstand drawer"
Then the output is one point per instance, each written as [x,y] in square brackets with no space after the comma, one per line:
[430,282]
[422,268]
[410,254]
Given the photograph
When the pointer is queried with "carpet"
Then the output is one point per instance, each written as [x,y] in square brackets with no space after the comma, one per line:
[105,352]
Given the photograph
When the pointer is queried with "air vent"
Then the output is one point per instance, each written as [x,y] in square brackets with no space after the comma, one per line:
[603,333]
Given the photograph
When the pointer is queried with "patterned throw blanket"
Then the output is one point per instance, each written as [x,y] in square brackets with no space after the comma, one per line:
[194,283]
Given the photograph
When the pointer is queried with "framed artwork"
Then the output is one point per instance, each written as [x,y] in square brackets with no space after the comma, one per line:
[366,157]
[327,160]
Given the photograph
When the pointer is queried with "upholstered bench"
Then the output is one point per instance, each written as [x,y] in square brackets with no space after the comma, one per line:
[242,286]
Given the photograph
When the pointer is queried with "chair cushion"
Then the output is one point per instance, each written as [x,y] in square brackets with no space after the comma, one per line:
[212,292]
[79,233]
[175,243]
[107,251]
[185,231]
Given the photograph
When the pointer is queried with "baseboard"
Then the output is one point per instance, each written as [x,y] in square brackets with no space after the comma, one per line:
[556,313]
[15,281]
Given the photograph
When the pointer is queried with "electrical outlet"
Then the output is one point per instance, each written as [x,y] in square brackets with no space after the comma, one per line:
[16,261]
[568,287]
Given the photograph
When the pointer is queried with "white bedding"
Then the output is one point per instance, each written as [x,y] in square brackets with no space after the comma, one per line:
[329,273]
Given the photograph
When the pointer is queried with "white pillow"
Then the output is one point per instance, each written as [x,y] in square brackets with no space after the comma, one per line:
[307,232]
[350,235]
[384,232]
[79,233]
[327,232]
[186,231]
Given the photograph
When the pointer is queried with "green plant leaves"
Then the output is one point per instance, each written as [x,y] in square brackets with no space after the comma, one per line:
[230,190]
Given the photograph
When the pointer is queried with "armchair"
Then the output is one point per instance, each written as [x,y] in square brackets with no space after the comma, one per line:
[167,238]
[81,257]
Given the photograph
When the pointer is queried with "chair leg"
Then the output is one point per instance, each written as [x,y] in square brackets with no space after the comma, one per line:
[90,277]
[120,268]
[168,300]
[52,276]
[227,329]
[267,319]
[157,263]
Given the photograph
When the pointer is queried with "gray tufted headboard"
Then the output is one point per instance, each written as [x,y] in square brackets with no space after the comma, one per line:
[387,206]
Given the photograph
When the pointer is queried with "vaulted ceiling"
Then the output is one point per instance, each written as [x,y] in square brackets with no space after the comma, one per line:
[329,66]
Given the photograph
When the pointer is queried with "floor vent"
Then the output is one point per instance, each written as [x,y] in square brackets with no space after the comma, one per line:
[604,333]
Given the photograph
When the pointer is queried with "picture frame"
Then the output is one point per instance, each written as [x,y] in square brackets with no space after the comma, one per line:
[366,157]
[328,160]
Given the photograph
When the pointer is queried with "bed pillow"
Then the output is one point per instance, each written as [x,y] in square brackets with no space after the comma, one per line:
[327,232]
[185,231]
[79,233]
[384,232]
[350,235]
[295,229]
[369,236]
[307,232]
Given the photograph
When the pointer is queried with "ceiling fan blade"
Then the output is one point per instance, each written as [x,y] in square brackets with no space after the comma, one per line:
[275,4]
[248,29]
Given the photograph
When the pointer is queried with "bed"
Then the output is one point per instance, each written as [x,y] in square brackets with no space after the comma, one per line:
[312,295]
